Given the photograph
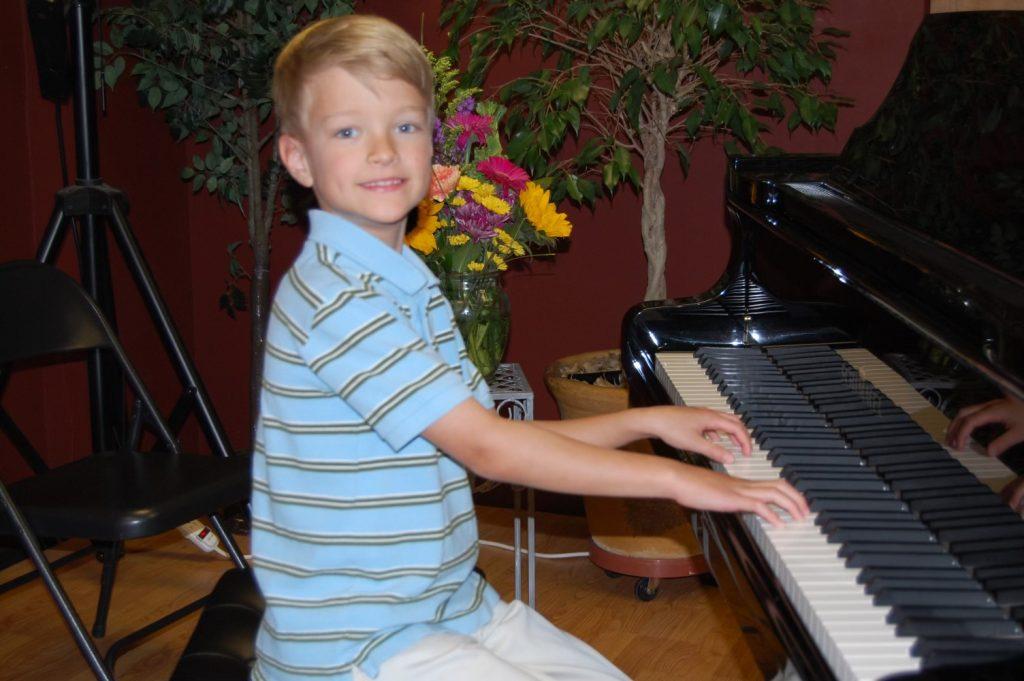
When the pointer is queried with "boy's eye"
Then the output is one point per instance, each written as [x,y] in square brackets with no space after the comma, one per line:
[346,133]
[408,127]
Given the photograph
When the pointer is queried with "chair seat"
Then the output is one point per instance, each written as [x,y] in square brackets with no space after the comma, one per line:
[223,645]
[125,495]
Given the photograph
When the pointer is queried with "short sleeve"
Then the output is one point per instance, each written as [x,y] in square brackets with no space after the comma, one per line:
[375,361]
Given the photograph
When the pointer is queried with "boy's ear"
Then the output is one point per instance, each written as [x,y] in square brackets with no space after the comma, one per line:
[293,156]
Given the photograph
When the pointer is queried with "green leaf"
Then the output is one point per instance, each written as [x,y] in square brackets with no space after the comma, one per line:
[187,173]
[693,122]
[175,97]
[153,97]
[578,10]
[197,161]
[610,176]
[197,183]
[693,38]
[630,28]
[664,78]
[211,184]
[601,29]
[684,158]
[572,187]
[716,19]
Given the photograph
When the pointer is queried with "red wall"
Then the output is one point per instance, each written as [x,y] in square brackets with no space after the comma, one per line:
[572,304]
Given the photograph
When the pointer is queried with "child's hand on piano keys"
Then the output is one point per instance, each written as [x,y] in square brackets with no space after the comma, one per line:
[1007,411]
[711,491]
[698,430]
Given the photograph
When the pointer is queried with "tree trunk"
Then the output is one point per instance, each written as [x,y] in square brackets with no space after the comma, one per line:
[652,217]
[259,238]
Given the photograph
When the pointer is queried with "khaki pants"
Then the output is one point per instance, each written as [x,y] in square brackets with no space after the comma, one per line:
[518,644]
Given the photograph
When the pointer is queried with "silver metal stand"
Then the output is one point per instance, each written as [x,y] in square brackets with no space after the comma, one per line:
[513,399]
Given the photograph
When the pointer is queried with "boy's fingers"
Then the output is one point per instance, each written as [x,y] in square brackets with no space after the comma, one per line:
[975,421]
[765,511]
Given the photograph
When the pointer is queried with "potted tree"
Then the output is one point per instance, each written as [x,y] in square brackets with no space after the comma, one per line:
[207,66]
[625,83]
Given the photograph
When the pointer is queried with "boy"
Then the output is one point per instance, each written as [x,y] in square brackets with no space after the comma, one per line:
[364,533]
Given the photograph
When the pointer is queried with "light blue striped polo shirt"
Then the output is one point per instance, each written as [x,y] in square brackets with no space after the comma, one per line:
[364,535]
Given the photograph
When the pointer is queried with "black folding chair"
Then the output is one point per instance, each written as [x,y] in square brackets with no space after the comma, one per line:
[107,497]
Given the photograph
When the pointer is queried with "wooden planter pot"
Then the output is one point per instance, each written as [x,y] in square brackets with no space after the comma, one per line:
[647,538]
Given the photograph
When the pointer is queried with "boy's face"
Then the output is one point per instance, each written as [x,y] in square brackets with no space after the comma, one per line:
[365,153]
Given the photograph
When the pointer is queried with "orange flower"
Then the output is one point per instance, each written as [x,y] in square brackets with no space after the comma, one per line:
[443,180]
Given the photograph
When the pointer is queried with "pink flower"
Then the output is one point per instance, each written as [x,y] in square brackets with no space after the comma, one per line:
[504,172]
[473,125]
[443,180]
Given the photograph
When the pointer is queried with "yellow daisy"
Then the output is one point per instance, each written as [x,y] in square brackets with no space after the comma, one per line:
[493,204]
[475,266]
[458,239]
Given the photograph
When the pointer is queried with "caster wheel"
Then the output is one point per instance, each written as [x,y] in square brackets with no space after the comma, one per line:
[644,591]
[613,575]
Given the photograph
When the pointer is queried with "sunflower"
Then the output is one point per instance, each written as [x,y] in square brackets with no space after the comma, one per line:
[542,214]
[421,237]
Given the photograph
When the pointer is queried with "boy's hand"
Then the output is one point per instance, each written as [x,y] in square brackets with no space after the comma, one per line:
[1007,411]
[697,430]
[710,491]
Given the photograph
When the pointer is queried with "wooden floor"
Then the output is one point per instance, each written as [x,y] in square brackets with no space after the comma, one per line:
[686,633]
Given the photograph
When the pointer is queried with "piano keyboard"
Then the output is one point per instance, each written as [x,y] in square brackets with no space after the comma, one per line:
[855,636]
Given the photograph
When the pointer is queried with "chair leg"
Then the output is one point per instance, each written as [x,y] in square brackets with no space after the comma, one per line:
[230,546]
[109,553]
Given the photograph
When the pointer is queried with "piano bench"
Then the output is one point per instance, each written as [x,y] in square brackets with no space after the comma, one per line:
[223,645]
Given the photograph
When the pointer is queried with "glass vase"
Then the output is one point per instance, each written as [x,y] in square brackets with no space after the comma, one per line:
[481,312]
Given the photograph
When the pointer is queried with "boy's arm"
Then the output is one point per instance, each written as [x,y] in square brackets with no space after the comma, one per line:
[665,422]
[523,453]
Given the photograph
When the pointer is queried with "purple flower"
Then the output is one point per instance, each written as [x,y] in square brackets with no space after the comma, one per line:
[438,134]
[476,221]
[468,105]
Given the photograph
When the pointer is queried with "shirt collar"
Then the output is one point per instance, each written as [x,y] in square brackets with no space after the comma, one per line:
[406,270]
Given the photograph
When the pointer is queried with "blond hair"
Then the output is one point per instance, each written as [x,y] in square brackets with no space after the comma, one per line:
[366,46]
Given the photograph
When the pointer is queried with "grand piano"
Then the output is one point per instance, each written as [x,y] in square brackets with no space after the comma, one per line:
[908,244]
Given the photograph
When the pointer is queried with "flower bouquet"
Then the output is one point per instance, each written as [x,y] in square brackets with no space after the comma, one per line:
[482,212]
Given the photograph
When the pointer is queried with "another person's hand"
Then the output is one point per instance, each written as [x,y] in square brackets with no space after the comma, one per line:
[1013,494]
[1007,411]
[698,430]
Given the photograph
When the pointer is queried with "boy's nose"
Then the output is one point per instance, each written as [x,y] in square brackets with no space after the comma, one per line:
[382,150]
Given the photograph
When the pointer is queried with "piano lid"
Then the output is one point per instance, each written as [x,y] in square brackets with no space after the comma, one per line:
[924,212]
[945,151]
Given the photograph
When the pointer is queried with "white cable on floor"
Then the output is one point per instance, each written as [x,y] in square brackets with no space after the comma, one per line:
[551,556]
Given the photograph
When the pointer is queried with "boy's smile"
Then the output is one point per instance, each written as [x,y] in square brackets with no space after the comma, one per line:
[365,152]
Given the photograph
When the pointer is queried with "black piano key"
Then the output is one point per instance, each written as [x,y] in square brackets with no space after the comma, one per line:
[838,484]
[877,584]
[822,442]
[912,494]
[943,651]
[901,457]
[997,583]
[841,516]
[893,505]
[995,571]
[918,548]
[972,501]
[896,525]
[893,469]
[821,459]
[946,482]
[875,534]
[891,441]
[972,545]
[983,559]
[901,560]
[994,513]
[978,531]
[1010,598]
[899,613]
[1003,628]
[956,657]
[949,598]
